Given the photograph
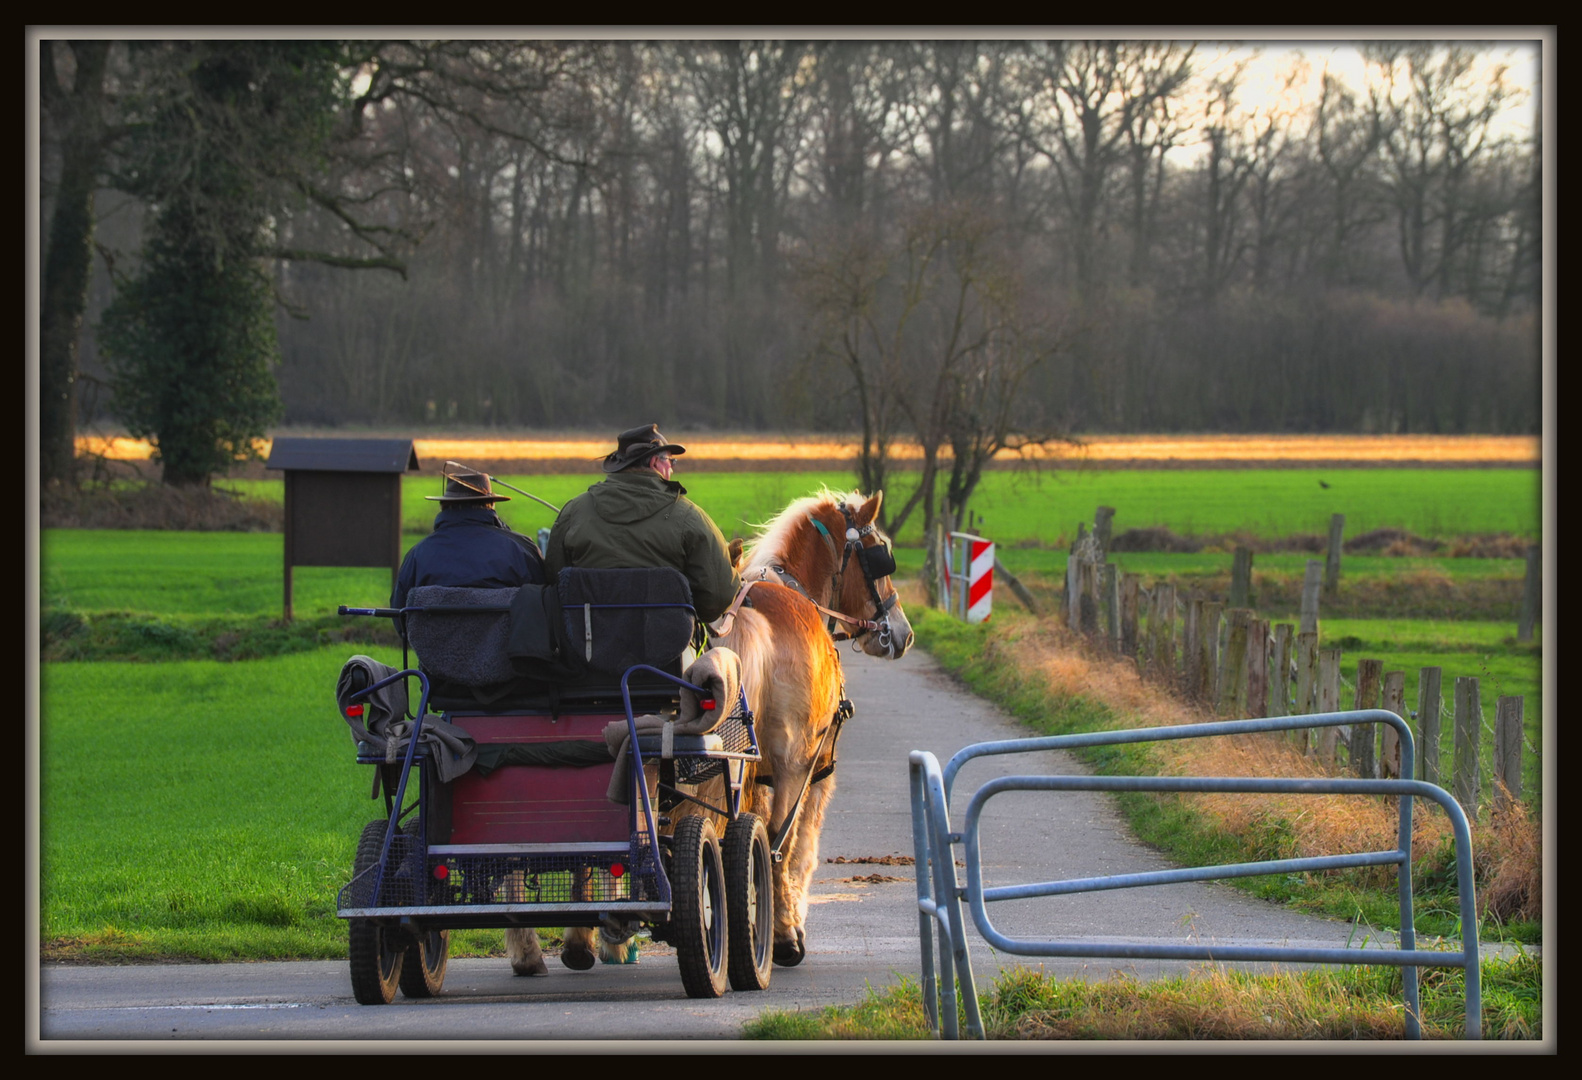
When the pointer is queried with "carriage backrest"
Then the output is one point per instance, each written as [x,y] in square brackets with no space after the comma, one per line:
[592,623]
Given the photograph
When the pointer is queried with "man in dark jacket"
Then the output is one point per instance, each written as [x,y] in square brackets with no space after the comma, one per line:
[470,546]
[637,516]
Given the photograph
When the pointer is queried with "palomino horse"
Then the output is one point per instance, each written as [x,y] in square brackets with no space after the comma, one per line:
[821,568]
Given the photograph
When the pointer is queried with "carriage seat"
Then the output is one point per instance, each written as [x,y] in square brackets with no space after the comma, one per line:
[600,623]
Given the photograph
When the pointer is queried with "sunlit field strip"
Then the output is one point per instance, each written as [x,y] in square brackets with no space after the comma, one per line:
[1489,449]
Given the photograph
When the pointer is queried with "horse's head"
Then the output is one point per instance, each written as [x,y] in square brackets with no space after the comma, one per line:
[830,548]
[865,587]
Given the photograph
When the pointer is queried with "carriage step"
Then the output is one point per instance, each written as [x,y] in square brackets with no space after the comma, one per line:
[585,848]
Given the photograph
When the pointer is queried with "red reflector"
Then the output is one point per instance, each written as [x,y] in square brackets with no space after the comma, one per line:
[617,869]
[707,704]
[442,871]
[354,710]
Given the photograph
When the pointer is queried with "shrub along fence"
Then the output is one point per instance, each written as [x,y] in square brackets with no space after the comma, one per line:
[1226,657]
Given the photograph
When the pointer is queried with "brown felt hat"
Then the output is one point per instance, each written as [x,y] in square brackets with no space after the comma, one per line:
[468,487]
[637,445]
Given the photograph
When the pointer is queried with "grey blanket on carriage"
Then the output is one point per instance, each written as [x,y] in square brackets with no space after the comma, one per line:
[385,728]
[718,671]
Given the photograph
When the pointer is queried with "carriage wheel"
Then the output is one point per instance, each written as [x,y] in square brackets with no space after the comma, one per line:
[698,909]
[423,970]
[749,893]
[375,952]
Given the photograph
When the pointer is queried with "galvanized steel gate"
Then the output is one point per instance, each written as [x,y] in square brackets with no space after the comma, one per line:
[939,895]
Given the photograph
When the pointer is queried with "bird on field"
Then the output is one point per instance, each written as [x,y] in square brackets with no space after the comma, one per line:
[1323,485]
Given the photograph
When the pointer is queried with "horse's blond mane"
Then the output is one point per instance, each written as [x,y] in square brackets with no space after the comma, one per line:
[773,535]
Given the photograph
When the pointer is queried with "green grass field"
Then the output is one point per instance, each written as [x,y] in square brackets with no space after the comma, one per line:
[1043,509]
[209,809]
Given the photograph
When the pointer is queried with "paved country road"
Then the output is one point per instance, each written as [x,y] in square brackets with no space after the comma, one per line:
[861,933]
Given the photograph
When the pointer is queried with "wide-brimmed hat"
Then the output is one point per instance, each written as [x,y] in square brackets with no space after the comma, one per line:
[637,445]
[468,487]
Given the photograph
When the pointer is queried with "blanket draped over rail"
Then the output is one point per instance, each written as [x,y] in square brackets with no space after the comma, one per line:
[384,725]
[719,672]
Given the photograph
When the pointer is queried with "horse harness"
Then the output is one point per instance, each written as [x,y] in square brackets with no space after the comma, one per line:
[876,562]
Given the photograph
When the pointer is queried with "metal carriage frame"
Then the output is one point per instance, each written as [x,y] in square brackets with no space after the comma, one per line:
[707,894]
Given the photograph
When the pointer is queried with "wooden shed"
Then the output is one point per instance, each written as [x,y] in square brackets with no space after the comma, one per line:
[343,502]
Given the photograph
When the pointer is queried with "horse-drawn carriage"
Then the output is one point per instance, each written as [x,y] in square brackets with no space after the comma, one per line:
[565,767]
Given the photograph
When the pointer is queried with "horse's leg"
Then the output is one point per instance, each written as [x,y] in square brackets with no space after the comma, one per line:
[521,944]
[796,872]
[578,951]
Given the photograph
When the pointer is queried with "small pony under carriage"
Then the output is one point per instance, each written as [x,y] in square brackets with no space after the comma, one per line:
[576,775]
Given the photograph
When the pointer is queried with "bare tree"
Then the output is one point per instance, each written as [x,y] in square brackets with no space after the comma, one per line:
[1091,97]
[938,341]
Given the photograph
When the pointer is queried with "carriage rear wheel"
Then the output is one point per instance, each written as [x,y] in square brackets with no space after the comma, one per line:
[423,970]
[749,894]
[376,952]
[698,909]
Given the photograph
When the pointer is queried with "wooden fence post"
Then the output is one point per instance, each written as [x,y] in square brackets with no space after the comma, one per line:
[1327,699]
[1165,612]
[1469,732]
[1365,737]
[1532,594]
[1014,583]
[1337,525]
[1241,578]
[1192,646]
[1280,692]
[1428,724]
[1103,517]
[1088,598]
[1208,652]
[1310,586]
[1507,751]
[1258,667]
[1233,683]
[1306,672]
[1131,586]
[1390,739]
[1112,606]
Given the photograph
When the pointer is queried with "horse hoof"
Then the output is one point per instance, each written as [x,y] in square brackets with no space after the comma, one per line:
[577,956]
[790,953]
[537,967]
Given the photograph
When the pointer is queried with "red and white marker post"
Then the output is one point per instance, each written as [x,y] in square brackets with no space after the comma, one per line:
[969,577]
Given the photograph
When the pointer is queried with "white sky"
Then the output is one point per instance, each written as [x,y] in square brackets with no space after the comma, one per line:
[1268,63]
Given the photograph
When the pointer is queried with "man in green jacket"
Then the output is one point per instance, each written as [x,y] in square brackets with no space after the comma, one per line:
[637,516]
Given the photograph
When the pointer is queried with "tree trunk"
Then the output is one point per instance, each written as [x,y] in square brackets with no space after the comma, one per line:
[64,288]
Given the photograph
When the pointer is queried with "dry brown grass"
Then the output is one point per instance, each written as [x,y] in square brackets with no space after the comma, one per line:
[1096,450]
[1506,844]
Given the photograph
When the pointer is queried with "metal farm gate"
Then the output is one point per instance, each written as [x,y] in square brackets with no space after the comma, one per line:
[940,896]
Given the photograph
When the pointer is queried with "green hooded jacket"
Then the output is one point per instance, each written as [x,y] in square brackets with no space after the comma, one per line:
[638,518]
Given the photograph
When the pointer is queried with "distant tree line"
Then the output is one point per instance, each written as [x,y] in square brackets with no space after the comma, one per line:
[1082,235]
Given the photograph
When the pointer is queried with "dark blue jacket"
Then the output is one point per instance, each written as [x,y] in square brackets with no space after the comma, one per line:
[471,548]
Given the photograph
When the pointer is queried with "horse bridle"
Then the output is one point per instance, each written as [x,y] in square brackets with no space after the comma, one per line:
[876,562]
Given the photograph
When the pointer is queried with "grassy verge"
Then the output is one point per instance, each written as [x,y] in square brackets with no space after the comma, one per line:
[1348,1003]
[200,810]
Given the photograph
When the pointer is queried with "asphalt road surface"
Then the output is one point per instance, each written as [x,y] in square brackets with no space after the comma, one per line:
[862,927]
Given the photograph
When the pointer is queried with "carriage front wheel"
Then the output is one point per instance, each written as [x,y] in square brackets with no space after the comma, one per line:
[423,970]
[749,893]
[698,918]
[376,953]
